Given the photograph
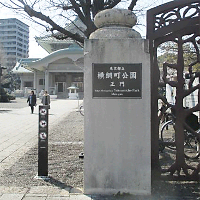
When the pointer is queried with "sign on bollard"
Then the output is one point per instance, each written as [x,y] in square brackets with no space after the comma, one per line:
[43,142]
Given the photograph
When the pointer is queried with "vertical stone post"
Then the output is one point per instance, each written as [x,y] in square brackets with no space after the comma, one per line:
[35,83]
[117,154]
[47,79]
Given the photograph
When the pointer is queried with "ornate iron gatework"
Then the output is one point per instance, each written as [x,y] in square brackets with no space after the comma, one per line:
[175,27]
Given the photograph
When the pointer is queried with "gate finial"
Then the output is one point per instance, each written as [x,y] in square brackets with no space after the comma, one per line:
[116,24]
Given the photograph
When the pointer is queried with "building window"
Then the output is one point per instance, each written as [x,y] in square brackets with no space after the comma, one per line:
[28,83]
[41,81]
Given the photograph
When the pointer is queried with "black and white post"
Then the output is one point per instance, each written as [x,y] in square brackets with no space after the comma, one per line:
[43,143]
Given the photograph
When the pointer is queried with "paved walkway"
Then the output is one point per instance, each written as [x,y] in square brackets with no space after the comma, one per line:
[19,129]
[19,133]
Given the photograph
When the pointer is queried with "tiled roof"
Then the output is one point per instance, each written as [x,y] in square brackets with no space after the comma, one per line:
[21,64]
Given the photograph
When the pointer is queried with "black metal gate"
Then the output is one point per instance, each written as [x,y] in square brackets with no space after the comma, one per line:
[174,27]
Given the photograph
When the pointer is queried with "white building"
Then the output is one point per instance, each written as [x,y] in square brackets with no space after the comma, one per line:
[14,37]
[54,73]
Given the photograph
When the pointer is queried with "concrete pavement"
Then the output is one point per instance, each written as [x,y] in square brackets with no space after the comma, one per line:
[19,129]
[19,133]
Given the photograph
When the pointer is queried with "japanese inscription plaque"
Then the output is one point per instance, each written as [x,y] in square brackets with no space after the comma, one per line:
[117,80]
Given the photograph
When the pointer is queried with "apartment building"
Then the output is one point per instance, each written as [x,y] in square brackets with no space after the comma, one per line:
[14,38]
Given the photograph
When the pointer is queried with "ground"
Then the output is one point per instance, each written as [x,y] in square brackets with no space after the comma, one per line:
[66,168]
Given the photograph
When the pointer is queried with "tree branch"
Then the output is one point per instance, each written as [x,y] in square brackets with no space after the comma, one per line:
[39,15]
[112,4]
[84,9]
[78,11]
[133,3]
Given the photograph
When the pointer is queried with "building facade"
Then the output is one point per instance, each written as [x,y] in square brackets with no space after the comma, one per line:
[58,72]
[55,73]
[14,38]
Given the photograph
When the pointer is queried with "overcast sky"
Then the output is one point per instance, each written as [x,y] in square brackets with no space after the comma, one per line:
[35,51]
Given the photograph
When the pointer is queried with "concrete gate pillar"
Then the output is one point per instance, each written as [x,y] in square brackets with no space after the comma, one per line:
[117,154]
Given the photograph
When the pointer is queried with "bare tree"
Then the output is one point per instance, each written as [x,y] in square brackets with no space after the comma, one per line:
[55,14]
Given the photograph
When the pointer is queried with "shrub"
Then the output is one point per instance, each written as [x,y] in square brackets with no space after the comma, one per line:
[11,96]
[4,97]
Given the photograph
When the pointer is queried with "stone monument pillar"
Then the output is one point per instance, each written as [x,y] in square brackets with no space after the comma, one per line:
[117,154]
